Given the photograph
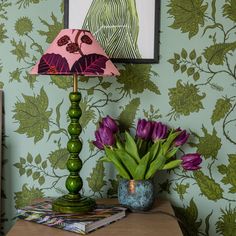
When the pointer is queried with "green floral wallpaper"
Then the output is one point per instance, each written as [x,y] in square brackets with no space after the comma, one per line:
[193,86]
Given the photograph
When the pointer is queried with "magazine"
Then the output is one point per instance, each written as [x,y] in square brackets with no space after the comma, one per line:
[41,213]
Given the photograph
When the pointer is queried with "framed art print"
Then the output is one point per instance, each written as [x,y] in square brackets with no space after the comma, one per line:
[128,30]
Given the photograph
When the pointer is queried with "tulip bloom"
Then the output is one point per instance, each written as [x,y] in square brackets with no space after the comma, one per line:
[110,123]
[182,138]
[191,161]
[159,131]
[144,129]
[104,137]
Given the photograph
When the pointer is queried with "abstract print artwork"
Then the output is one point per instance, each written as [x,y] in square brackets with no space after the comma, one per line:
[126,29]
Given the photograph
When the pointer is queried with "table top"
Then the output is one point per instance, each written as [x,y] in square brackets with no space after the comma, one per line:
[134,224]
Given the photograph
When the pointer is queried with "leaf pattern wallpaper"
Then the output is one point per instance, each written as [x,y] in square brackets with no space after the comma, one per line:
[193,87]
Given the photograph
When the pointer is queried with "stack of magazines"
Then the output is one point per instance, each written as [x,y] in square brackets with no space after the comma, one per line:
[41,213]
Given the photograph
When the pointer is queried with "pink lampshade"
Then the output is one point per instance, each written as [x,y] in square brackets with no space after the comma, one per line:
[77,52]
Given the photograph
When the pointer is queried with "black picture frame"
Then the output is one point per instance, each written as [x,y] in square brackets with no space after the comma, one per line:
[156,35]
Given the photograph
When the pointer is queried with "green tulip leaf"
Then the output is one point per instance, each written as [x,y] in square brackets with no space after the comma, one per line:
[166,145]
[172,164]
[156,165]
[119,144]
[117,162]
[127,160]
[154,150]
[171,153]
[142,167]
[105,159]
[131,147]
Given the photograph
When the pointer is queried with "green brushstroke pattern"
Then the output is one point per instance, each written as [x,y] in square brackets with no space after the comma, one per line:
[115,24]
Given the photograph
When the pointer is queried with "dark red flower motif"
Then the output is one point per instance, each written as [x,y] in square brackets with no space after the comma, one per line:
[86,39]
[93,64]
[52,63]
[52,70]
[72,47]
[63,40]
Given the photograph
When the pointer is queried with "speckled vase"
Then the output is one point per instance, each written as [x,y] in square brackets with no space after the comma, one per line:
[137,195]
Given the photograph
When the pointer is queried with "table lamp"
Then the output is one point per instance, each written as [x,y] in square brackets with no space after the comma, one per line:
[74,52]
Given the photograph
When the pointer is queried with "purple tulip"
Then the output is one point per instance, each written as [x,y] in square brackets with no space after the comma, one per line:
[182,138]
[191,161]
[104,137]
[144,129]
[159,131]
[110,123]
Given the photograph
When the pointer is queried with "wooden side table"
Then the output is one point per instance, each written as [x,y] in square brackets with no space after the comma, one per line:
[134,224]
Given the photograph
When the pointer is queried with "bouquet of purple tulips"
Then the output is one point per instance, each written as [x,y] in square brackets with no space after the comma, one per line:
[153,148]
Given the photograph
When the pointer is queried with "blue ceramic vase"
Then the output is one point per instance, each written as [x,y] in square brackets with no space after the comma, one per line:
[137,195]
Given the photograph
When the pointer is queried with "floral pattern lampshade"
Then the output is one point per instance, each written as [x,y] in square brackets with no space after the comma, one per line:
[77,52]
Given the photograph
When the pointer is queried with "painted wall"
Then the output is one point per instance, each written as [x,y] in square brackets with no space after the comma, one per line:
[193,86]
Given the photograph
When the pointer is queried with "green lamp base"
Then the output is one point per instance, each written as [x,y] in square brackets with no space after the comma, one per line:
[73,204]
